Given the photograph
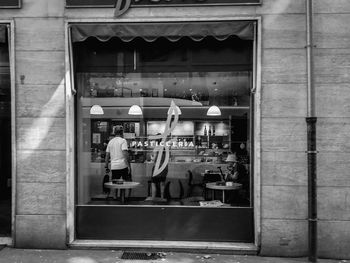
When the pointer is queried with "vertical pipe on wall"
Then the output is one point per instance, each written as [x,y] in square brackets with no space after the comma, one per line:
[311,140]
[309,47]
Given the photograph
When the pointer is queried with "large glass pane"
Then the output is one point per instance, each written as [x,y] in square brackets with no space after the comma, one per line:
[5,135]
[203,159]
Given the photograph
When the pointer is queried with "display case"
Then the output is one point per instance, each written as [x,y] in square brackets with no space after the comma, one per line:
[190,141]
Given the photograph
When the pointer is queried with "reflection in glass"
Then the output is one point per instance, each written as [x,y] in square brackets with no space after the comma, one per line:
[195,76]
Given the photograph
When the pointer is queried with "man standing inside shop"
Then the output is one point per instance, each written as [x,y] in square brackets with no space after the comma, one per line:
[117,151]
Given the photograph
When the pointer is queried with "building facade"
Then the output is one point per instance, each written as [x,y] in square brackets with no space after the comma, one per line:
[249,58]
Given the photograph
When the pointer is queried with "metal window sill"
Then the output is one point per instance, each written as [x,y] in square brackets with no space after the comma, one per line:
[185,246]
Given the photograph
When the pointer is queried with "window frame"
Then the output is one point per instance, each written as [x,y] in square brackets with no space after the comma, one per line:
[71,125]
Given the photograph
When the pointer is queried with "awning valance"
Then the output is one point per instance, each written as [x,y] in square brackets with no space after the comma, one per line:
[3,32]
[174,31]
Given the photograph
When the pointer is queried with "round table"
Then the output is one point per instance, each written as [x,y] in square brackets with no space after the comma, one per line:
[214,186]
[125,185]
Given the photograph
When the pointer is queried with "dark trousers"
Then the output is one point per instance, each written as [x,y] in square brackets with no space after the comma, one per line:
[121,173]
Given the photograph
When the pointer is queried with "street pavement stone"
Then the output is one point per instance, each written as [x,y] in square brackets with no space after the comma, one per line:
[13,255]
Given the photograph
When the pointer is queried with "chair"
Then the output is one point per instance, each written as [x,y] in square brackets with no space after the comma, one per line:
[210,178]
[192,184]
[199,181]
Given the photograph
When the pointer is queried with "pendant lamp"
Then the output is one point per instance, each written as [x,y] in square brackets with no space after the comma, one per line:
[214,111]
[135,110]
[96,110]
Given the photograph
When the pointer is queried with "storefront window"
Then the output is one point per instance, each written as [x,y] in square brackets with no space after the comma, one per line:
[190,143]
[5,134]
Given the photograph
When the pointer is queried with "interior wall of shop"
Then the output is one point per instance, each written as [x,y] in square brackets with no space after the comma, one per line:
[40,220]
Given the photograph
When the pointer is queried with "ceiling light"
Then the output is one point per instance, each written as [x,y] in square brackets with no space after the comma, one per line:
[135,110]
[214,111]
[96,110]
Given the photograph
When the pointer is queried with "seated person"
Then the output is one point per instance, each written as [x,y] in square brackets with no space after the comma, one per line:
[237,173]
[242,154]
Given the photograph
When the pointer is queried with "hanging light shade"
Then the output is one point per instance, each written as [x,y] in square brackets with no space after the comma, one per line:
[96,110]
[135,110]
[173,111]
[214,111]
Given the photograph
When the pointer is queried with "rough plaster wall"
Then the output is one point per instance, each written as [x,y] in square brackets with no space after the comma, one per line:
[39,47]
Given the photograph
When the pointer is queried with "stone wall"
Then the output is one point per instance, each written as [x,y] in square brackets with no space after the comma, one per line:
[283,128]
[40,220]
[284,166]
[332,83]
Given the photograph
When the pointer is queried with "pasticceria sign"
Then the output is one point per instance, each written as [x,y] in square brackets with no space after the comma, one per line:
[122,6]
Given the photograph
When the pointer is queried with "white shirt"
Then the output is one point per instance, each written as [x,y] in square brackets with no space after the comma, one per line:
[115,147]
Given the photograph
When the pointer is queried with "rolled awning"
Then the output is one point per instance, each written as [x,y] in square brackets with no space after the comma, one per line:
[173,31]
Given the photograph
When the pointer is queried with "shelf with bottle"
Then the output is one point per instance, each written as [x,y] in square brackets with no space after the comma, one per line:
[209,128]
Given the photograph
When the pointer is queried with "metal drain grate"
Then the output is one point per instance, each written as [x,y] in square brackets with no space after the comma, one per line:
[140,255]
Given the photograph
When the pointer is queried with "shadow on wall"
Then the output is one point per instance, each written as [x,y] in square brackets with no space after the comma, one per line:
[42,128]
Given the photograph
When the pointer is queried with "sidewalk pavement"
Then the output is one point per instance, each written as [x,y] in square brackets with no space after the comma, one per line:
[12,255]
